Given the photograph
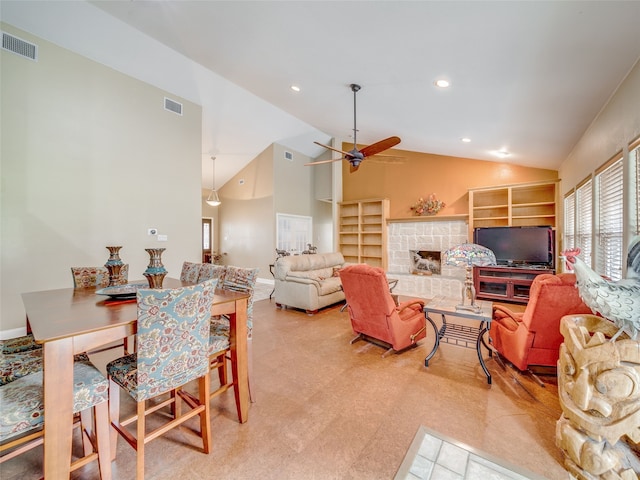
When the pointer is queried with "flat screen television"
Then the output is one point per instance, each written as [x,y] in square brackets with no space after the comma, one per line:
[519,246]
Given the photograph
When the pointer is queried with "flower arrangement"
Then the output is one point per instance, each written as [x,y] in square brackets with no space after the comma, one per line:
[216,258]
[429,206]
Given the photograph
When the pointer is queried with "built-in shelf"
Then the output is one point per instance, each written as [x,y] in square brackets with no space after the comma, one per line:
[362,230]
[521,205]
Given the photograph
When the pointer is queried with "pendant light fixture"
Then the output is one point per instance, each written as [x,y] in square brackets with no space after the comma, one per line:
[213,198]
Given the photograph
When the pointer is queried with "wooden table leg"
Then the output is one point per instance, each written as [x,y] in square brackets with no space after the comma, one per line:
[58,399]
[239,362]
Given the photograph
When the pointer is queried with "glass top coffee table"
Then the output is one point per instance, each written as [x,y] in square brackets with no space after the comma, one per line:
[458,334]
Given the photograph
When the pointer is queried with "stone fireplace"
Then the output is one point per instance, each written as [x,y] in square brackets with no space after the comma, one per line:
[430,235]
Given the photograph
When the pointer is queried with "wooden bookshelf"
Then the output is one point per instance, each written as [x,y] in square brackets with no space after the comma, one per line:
[362,231]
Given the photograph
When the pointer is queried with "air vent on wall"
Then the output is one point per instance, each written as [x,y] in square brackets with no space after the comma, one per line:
[20,47]
[288,156]
[172,106]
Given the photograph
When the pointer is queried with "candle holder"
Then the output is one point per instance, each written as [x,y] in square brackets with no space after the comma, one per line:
[155,271]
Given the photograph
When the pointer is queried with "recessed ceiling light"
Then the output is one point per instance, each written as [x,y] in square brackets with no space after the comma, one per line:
[295,88]
[502,153]
[465,139]
[442,83]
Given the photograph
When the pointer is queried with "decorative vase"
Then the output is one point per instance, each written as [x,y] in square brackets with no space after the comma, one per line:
[114,265]
[155,272]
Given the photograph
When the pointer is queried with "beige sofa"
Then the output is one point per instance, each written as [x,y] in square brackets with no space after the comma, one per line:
[308,282]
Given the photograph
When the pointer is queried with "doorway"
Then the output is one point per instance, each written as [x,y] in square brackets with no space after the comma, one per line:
[207,240]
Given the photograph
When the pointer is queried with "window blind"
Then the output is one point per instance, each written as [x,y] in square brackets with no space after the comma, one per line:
[609,228]
[584,204]
[569,221]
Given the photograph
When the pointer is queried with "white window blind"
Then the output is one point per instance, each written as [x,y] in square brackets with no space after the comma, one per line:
[584,204]
[569,221]
[609,228]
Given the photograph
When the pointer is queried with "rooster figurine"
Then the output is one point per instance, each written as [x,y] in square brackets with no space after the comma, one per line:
[618,301]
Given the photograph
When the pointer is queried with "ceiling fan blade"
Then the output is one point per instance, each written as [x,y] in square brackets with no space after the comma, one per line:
[353,168]
[380,146]
[324,161]
[346,154]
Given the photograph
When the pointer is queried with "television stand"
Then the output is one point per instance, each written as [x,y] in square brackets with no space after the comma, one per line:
[506,283]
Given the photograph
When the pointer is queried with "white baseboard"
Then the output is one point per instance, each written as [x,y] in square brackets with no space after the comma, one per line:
[265,280]
[13,333]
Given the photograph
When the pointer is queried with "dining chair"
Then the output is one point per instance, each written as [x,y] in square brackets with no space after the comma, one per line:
[243,280]
[22,419]
[190,272]
[19,356]
[210,270]
[173,350]
[98,277]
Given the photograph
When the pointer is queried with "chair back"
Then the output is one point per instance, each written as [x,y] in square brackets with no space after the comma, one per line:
[98,277]
[190,272]
[369,300]
[240,279]
[173,337]
[209,271]
[551,297]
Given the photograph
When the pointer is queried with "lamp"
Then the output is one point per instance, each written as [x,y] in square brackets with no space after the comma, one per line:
[213,198]
[467,255]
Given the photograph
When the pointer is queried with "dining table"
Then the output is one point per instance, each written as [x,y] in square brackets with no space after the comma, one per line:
[69,321]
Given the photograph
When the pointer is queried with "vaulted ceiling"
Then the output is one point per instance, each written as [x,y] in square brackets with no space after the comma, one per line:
[525,77]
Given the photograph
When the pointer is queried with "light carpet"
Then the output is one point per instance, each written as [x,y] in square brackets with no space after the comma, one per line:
[262,291]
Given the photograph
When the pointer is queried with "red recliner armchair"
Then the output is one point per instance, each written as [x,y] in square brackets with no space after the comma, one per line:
[533,337]
[374,313]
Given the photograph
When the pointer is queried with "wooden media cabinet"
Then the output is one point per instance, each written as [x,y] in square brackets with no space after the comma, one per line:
[509,284]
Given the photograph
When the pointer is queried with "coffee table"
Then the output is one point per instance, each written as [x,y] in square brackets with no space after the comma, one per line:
[458,334]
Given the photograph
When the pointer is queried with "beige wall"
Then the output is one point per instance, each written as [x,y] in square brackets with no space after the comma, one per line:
[410,175]
[246,218]
[270,184]
[617,125]
[89,158]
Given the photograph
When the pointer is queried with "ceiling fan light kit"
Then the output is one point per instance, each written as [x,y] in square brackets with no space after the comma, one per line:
[355,156]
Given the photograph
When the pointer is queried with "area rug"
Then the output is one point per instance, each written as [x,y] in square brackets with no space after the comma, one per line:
[262,291]
[433,456]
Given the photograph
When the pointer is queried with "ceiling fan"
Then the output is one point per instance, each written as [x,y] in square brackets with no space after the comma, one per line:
[355,156]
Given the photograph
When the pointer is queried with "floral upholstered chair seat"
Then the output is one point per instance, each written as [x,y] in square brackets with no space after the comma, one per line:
[19,357]
[23,401]
[17,365]
[219,335]
[19,344]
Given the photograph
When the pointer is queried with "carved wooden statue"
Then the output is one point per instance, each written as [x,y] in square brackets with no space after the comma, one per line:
[599,392]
